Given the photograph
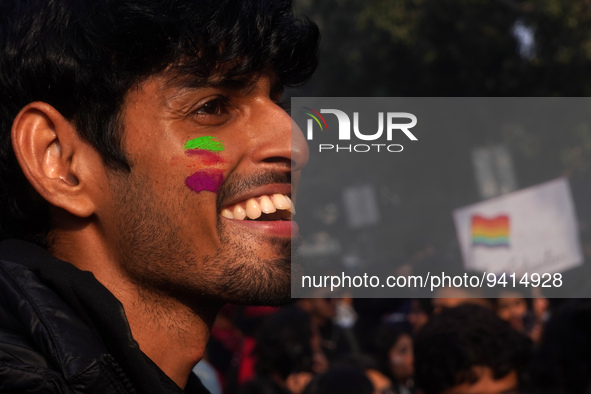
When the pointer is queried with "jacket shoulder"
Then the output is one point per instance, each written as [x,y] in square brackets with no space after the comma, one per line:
[44,346]
[23,368]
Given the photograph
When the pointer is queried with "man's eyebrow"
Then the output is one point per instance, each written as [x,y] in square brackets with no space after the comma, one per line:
[244,84]
[191,82]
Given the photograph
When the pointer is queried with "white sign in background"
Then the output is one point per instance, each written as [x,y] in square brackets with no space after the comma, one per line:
[543,234]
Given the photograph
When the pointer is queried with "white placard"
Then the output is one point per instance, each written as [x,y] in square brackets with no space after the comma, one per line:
[530,230]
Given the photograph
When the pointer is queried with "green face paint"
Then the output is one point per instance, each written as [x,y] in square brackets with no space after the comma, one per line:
[206,143]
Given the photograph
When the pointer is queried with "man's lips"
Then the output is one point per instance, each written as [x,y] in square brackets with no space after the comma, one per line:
[273,228]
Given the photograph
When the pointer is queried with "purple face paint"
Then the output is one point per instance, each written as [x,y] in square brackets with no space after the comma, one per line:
[209,180]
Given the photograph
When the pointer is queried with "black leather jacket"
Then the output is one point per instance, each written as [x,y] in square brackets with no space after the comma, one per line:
[84,345]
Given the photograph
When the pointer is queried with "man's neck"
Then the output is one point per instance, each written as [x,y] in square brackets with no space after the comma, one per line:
[172,333]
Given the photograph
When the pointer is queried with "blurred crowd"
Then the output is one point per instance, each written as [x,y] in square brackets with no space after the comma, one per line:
[510,344]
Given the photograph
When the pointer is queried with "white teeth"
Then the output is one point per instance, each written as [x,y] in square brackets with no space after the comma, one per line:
[227,213]
[291,206]
[280,201]
[253,210]
[267,205]
[239,212]
[254,207]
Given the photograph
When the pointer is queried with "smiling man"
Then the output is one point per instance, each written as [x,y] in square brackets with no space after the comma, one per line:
[145,180]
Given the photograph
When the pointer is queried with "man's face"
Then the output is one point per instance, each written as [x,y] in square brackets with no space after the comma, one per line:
[204,160]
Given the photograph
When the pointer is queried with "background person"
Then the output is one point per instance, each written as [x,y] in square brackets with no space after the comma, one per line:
[468,349]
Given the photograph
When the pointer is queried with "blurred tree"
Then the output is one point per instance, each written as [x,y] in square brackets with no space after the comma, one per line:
[562,62]
[453,47]
[461,48]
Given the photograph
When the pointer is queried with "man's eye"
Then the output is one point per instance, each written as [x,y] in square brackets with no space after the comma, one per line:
[216,106]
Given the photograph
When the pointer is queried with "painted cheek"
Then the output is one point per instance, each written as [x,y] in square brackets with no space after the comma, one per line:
[207,143]
[207,180]
[205,157]
[205,149]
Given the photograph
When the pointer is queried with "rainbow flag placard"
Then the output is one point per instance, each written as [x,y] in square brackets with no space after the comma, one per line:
[490,231]
[528,230]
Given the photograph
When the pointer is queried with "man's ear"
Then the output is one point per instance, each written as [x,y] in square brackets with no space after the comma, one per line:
[55,160]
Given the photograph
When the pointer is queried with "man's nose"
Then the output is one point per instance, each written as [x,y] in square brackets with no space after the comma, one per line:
[280,140]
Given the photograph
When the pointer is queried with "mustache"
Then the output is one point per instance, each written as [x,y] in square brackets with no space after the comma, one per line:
[237,184]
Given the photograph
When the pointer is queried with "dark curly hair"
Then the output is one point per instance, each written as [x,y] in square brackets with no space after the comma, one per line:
[458,339]
[82,56]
